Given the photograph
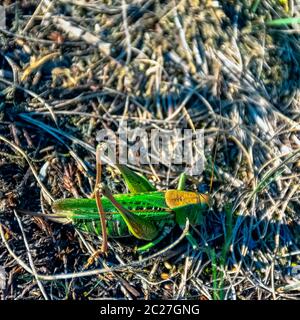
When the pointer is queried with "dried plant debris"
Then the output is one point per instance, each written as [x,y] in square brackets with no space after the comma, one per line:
[69,68]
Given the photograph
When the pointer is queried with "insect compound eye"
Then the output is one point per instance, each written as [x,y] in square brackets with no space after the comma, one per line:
[203,188]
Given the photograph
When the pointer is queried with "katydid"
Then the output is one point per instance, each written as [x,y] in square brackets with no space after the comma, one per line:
[144,213]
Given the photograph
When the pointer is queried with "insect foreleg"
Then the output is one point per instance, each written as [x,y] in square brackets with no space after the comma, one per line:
[192,241]
[97,192]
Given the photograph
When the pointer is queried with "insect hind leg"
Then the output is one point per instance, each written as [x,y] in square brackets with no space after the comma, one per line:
[153,243]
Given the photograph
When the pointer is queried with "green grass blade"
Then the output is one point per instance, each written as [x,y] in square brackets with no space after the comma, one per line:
[214,274]
[282,22]
[255,5]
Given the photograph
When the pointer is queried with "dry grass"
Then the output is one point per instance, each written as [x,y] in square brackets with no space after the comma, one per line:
[70,68]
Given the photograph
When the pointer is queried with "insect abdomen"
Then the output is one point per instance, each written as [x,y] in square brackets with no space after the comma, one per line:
[115,228]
